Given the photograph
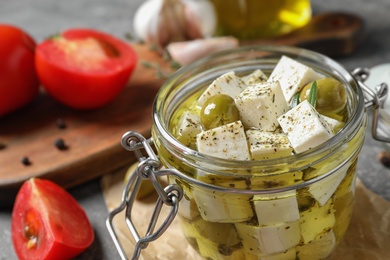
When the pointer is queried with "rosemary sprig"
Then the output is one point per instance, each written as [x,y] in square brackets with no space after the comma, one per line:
[313,94]
[295,100]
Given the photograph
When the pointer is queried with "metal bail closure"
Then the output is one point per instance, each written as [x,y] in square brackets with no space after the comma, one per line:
[148,168]
[374,99]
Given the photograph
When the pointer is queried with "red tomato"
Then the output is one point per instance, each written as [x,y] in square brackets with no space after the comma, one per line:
[84,68]
[18,80]
[48,223]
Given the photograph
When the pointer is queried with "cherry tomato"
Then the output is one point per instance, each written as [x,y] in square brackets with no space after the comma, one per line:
[48,223]
[84,68]
[19,82]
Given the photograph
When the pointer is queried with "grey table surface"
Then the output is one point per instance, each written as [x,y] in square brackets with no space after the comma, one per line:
[44,17]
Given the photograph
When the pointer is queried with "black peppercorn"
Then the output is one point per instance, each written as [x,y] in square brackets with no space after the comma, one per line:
[25,161]
[60,144]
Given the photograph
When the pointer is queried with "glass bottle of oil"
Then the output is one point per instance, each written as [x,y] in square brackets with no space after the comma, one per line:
[256,19]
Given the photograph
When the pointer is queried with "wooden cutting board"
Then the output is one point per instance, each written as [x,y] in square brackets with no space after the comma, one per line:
[93,137]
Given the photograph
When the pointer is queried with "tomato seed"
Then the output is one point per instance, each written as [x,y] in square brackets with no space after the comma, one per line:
[60,144]
[25,161]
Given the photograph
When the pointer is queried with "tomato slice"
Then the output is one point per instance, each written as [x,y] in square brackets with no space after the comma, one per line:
[48,223]
[84,68]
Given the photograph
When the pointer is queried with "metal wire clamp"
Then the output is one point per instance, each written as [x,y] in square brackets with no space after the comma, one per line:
[148,168]
[373,99]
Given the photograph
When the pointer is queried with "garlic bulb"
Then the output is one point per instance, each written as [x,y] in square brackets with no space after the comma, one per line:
[161,22]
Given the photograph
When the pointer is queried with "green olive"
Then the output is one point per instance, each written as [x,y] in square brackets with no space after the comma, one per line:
[218,110]
[331,96]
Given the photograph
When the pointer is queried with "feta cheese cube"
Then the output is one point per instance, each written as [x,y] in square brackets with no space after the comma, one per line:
[334,124]
[305,127]
[320,248]
[189,127]
[323,189]
[226,142]
[316,220]
[222,207]
[260,105]
[229,84]
[255,77]
[276,208]
[268,145]
[266,240]
[292,75]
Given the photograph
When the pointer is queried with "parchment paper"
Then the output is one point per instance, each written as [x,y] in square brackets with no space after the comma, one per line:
[368,236]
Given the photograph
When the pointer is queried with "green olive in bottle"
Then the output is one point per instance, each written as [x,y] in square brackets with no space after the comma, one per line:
[218,110]
[331,96]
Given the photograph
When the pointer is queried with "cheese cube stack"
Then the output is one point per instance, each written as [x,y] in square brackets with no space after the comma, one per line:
[229,84]
[292,75]
[226,142]
[255,77]
[260,106]
[268,145]
[305,127]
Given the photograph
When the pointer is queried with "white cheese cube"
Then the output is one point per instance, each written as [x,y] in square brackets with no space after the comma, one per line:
[292,75]
[210,250]
[188,208]
[221,233]
[255,77]
[276,208]
[221,207]
[229,84]
[290,254]
[267,240]
[226,142]
[320,248]
[334,124]
[324,189]
[316,220]
[189,127]
[305,127]
[260,105]
[268,145]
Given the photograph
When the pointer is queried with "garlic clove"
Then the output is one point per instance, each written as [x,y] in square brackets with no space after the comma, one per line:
[188,51]
[161,22]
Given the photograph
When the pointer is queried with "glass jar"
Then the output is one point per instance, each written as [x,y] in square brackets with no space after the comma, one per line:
[253,19]
[295,207]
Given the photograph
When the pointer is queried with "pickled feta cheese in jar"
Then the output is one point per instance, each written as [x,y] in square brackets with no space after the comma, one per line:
[243,200]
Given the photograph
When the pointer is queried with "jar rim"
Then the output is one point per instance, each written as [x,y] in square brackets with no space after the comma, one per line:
[325,149]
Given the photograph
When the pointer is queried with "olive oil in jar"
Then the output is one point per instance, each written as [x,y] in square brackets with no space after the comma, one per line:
[255,19]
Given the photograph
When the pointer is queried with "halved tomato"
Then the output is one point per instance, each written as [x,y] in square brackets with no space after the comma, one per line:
[48,223]
[84,68]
